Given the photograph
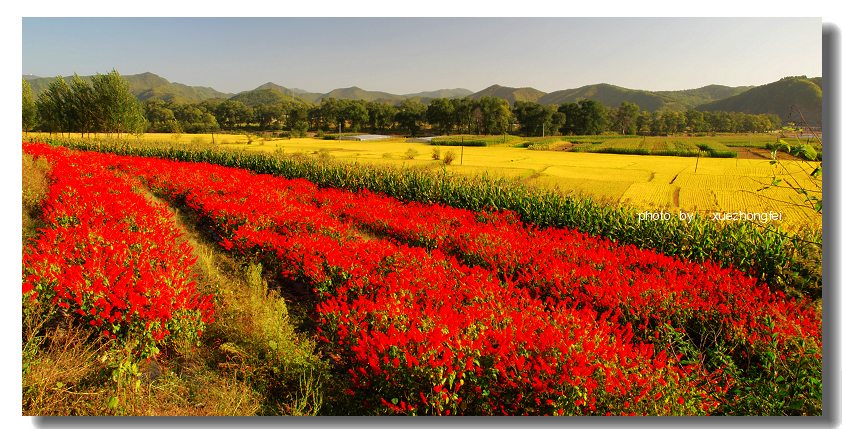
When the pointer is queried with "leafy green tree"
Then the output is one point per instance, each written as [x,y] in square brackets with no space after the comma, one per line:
[195,118]
[53,106]
[625,119]
[298,119]
[570,111]
[558,120]
[328,113]
[696,121]
[534,119]
[268,115]
[381,116]
[355,112]
[644,123]
[29,109]
[86,114]
[462,111]
[592,118]
[410,115]
[441,114]
[161,117]
[121,111]
[673,122]
[231,113]
[494,117]
[719,121]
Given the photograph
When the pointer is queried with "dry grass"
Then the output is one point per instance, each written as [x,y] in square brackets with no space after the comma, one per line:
[35,186]
[63,373]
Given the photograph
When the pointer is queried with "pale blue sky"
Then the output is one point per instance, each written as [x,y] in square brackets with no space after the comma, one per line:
[403,55]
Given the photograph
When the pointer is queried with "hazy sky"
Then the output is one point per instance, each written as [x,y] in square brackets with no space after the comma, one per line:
[404,55]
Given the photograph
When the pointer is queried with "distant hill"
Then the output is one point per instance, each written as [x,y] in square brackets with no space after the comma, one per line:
[610,95]
[257,97]
[441,93]
[147,86]
[706,94]
[357,93]
[783,98]
[777,97]
[510,94]
[298,94]
[270,92]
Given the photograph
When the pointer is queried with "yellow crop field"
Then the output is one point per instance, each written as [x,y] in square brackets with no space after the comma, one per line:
[707,185]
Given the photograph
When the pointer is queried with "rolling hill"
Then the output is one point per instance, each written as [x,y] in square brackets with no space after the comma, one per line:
[784,98]
[510,94]
[706,94]
[610,95]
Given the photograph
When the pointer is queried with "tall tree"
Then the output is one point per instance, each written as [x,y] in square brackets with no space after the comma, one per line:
[534,119]
[29,109]
[269,115]
[592,118]
[231,113]
[410,115]
[441,114]
[462,111]
[495,115]
[161,117]
[298,120]
[625,120]
[355,112]
[121,111]
[85,112]
[570,111]
[53,106]
[381,116]
[695,121]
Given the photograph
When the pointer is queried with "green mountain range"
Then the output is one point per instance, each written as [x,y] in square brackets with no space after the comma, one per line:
[786,97]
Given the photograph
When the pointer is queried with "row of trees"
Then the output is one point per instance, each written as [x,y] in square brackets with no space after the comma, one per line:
[105,104]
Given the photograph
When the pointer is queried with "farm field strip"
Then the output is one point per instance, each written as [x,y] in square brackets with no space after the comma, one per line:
[111,257]
[448,311]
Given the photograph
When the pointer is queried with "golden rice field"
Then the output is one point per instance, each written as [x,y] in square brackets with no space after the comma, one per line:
[644,182]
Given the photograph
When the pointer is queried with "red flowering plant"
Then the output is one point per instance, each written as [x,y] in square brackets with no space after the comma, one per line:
[438,310]
[111,258]
[712,315]
[421,332]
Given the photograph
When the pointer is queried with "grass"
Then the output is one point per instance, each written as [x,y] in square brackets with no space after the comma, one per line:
[254,359]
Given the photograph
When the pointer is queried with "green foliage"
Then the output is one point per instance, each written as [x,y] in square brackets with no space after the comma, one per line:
[534,119]
[410,115]
[29,109]
[103,103]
